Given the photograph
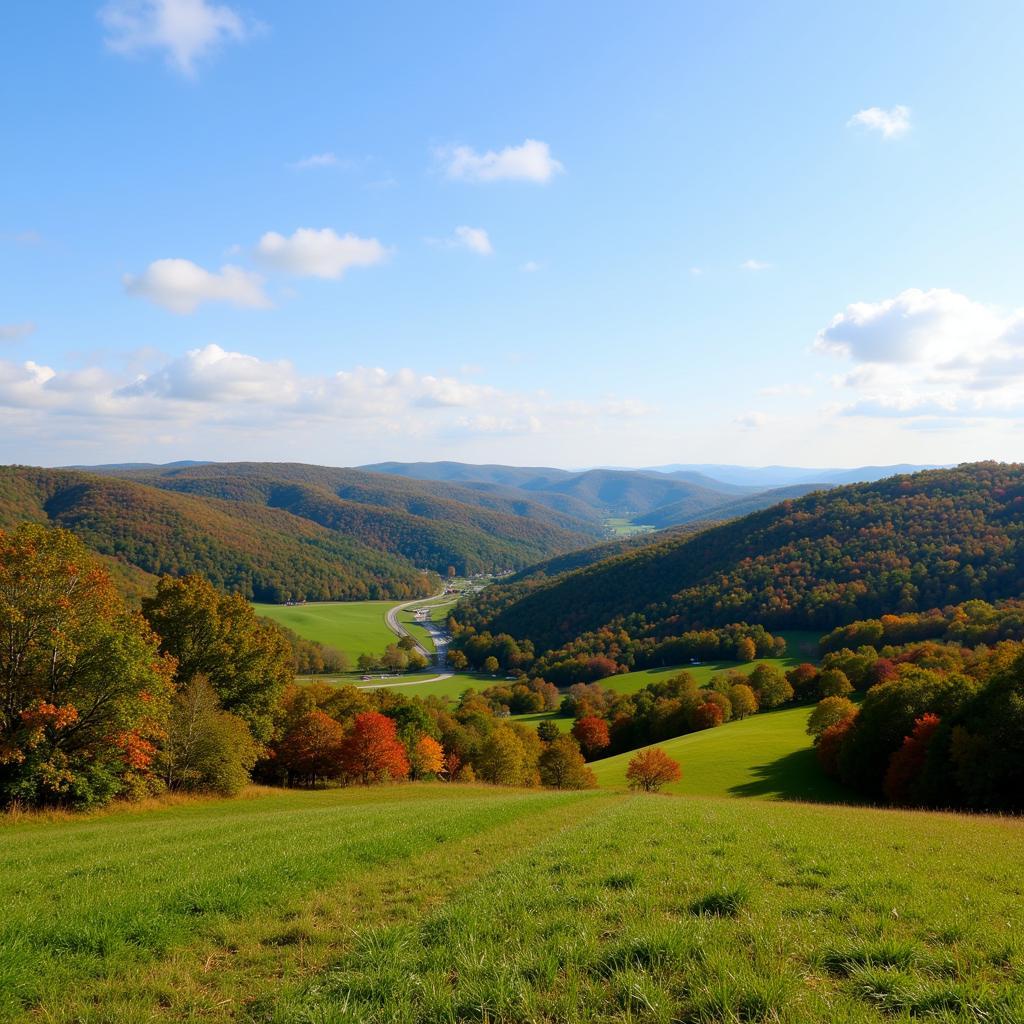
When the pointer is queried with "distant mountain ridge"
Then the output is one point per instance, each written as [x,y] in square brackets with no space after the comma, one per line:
[904,543]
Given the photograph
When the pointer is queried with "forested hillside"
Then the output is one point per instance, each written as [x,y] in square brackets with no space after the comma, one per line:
[687,511]
[263,553]
[902,544]
[282,531]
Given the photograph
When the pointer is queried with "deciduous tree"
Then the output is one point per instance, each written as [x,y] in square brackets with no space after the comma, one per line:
[313,748]
[372,751]
[562,766]
[592,735]
[651,769]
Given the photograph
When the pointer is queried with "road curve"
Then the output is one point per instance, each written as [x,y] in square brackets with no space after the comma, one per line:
[396,627]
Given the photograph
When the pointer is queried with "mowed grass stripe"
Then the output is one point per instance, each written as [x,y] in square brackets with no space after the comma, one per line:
[669,910]
[96,898]
[768,755]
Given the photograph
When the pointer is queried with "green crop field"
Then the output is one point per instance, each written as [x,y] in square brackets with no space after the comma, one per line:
[355,627]
[430,903]
[768,755]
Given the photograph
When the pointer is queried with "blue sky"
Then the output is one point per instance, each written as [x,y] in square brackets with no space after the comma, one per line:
[571,234]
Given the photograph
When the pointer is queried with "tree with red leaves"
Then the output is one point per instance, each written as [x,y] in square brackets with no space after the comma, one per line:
[592,734]
[312,749]
[906,764]
[372,751]
[651,769]
[830,742]
[707,715]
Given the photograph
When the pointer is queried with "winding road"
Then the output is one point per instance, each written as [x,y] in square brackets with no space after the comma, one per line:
[439,636]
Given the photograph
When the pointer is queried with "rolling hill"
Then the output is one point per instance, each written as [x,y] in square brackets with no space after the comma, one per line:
[918,541]
[276,532]
[683,511]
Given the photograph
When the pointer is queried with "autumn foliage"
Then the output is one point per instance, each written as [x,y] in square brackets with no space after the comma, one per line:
[592,734]
[651,769]
[371,750]
[312,748]
[907,763]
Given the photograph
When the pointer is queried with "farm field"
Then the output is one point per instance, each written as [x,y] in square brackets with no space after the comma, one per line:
[768,755]
[801,646]
[355,627]
[456,903]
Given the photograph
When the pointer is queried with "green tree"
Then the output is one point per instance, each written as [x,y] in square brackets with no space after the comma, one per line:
[834,682]
[205,748]
[491,664]
[245,658]
[84,693]
[770,685]
[548,731]
[561,766]
[504,760]
[828,712]
[743,700]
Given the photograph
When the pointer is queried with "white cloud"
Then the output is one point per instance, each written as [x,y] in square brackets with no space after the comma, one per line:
[209,397]
[474,239]
[933,353]
[751,421]
[890,124]
[754,265]
[181,286]
[319,253]
[532,161]
[530,267]
[12,332]
[696,271]
[316,160]
[185,30]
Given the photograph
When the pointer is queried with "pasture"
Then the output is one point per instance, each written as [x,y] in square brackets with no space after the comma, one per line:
[419,903]
[355,627]
[768,755]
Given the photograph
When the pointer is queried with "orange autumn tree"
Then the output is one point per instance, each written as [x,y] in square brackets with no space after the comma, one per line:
[371,751]
[426,757]
[651,769]
[907,763]
[312,749]
[84,692]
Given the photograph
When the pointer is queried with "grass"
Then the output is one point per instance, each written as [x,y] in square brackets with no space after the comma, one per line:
[355,627]
[800,646]
[625,527]
[430,903]
[768,755]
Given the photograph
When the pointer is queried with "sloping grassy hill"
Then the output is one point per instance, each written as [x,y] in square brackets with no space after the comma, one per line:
[768,755]
[429,903]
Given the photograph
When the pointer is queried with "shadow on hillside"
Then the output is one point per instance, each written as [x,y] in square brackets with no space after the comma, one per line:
[795,776]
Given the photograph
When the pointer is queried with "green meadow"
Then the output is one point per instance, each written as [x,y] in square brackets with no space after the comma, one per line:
[355,627]
[768,755]
[430,903]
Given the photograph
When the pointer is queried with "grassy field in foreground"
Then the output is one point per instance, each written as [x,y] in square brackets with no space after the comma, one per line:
[355,627]
[430,903]
[768,755]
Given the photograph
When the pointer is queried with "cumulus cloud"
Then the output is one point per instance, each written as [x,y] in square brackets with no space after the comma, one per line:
[182,286]
[753,265]
[890,124]
[12,332]
[474,239]
[186,31]
[929,353]
[211,392]
[309,252]
[532,161]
